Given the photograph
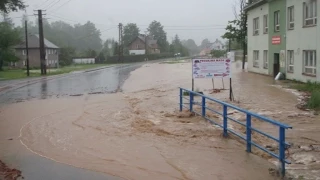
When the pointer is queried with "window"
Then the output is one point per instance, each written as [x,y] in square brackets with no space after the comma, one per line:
[310,13]
[290,61]
[309,62]
[23,52]
[138,47]
[277,21]
[291,17]
[265,24]
[256,26]
[265,59]
[256,58]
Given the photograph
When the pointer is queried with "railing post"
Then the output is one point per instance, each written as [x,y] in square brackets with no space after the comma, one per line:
[225,121]
[248,130]
[282,144]
[191,101]
[181,99]
[203,106]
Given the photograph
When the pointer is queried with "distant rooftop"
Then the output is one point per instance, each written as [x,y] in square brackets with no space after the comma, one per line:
[33,42]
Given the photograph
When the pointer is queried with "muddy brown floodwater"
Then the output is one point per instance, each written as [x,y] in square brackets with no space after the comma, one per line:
[139,133]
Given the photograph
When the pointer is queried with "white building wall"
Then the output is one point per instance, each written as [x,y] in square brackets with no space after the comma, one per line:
[257,42]
[302,38]
[83,60]
[137,52]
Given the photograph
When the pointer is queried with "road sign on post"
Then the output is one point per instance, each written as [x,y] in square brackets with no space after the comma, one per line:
[211,68]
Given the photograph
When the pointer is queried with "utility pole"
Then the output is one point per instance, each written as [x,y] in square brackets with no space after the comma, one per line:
[146,44]
[120,43]
[41,44]
[27,47]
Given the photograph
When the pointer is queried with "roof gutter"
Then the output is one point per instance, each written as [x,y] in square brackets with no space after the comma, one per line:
[254,5]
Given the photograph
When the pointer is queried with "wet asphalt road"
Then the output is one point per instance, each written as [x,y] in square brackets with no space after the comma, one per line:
[107,80]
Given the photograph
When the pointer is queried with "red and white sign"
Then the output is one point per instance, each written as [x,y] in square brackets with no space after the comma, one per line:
[276,39]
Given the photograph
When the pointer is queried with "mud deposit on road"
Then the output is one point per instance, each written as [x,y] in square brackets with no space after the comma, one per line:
[7,173]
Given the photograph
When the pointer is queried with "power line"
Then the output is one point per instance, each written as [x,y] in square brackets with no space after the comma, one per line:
[48,7]
[44,2]
[61,5]
[93,34]
[51,4]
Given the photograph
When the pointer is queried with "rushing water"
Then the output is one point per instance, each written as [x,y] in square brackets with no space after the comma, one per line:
[138,133]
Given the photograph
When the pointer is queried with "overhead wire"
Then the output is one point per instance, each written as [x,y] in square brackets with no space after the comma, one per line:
[61,5]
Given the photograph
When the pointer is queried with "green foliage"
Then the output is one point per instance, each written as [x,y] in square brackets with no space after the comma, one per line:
[314,101]
[177,47]
[80,36]
[191,46]
[66,55]
[138,58]
[217,53]
[314,89]
[236,30]
[100,58]
[156,31]
[204,43]
[9,37]
[11,5]
[309,86]
[130,32]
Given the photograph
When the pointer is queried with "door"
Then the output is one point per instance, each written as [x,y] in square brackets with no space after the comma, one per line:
[276,64]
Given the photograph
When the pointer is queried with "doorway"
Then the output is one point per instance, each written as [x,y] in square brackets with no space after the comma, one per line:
[276,64]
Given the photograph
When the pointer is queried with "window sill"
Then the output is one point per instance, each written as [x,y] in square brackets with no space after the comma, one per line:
[265,67]
[309,26]
[310,75]
[290,29]
[256,66]
[255,34]
[290,72]
[265,32]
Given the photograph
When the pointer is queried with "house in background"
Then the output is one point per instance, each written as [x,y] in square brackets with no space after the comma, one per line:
[138,45]
[217,45]
[51,51]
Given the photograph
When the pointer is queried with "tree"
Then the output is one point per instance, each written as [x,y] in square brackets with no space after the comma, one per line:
[66,55]
[130,32]
[108,47]
[9,37]
[156,31]
[11,5]
[204,43]
[191,45]
[100,57]
[217,53]
[236,30]
[177,47]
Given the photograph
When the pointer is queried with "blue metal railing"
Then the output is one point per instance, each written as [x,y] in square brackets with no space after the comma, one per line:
[249,115]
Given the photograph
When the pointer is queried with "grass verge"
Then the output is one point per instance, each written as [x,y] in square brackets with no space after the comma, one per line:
[314,89]
[8,74]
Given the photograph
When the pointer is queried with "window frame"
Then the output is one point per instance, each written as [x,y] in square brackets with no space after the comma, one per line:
[256,26]
[23,52]
[309,63]
[276,22]
[256,58]
[307,16]
[290,61]
[290,17]
[265,24]
[265,59]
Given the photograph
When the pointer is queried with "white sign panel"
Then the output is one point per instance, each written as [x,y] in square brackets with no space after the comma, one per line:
[211,68]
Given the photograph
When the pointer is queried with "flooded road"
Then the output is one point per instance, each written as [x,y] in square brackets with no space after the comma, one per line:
[137,133]
[78,83]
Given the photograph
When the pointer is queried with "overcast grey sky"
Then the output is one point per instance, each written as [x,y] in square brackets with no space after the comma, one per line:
[182,17]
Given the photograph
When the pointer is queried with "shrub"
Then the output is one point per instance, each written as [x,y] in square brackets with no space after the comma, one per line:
[314,101]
